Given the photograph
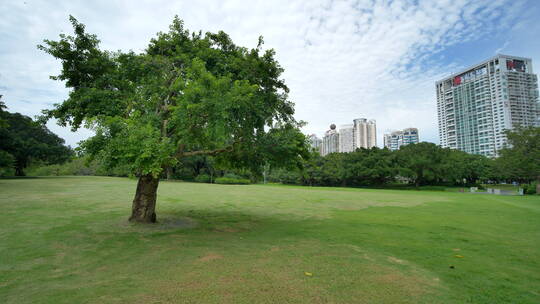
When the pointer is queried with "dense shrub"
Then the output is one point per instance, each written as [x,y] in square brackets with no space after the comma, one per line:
[77,166]
[50,170]
[530,188]
[284,176]
[202,178]
[433,188]
[119,171]
[7,162]
[232,181]
[232,175]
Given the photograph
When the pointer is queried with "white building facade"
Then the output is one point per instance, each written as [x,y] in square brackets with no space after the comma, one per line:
[362,133]
[330,142]
[477,105]
[365,133]
[396,139]
[346,138]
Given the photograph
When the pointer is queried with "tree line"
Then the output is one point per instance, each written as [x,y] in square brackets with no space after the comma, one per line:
[28,143]
[24,142]
[422,164]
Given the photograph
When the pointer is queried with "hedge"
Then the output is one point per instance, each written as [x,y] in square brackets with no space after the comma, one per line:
[232,181]
[530,188]
[202,178]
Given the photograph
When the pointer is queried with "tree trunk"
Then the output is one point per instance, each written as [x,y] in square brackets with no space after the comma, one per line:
[19,171]
[419,178]
[169,172]
[144,203]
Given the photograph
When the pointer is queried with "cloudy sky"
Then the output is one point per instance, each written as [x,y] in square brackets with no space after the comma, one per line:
[342,59]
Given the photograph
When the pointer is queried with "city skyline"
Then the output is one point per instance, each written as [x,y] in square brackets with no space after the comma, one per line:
[362,133]
[343,139]
[344,59]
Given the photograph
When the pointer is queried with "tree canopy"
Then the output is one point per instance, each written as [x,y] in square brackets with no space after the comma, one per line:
[422,162]
[520,159]
[187,94]
[23,140]
[3,107]
[418,164]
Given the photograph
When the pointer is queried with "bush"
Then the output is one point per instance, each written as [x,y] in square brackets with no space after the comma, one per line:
[232,175]
[285,176]
[4,172]
[6,164]
[77,166]
[530,188]
[50,170]
[202,178]
[232,181]
[434,188]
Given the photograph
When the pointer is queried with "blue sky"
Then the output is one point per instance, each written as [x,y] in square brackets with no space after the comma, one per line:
[342,59]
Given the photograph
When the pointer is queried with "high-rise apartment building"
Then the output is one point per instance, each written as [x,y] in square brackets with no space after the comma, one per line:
[410,136]
[397,139]
[330,142]
[361,134]
[365,133]
[315,142]
[390,140]
[346,138]
[477,105]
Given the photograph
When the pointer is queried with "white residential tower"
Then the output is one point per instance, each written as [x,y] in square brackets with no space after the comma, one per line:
[476,105]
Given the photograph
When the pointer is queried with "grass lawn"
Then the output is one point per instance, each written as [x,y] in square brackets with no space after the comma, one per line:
[67,240]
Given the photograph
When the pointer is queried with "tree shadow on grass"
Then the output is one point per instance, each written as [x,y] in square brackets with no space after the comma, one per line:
[210,221]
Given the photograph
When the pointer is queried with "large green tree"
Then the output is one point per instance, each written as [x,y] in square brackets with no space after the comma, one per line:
[520,160]
[23,140]
[187,94]
[370,166]
[6,160]
[461,167]
[423,163]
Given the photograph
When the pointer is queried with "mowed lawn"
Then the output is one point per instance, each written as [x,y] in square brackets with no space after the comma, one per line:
[67,240]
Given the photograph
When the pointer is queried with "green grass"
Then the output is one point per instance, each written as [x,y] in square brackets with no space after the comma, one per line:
[66,240]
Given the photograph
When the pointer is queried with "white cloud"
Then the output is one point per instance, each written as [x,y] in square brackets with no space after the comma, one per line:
[342,59]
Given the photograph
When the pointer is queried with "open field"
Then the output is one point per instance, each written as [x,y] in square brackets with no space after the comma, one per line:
[67,240]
